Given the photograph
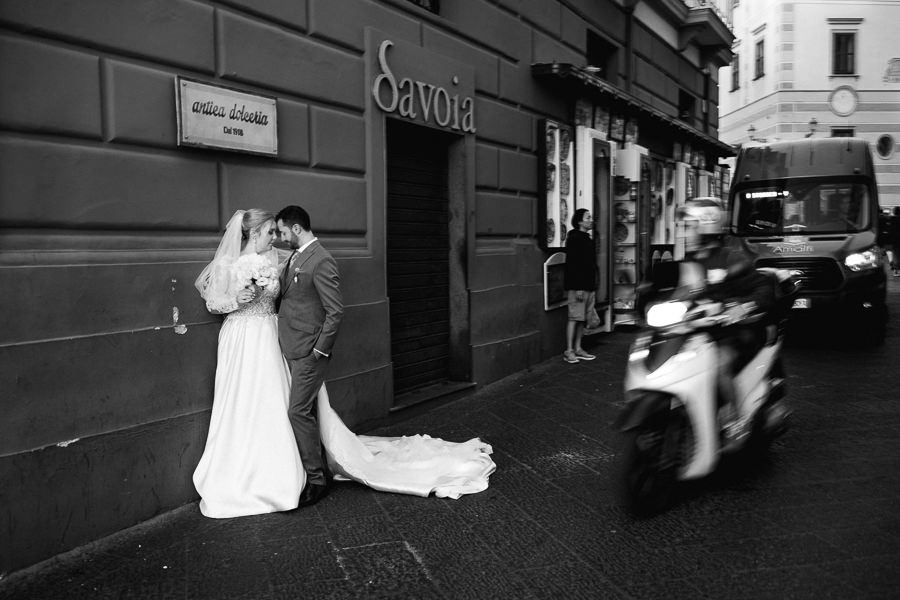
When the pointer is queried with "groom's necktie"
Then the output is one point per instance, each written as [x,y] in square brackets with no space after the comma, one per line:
[287,269]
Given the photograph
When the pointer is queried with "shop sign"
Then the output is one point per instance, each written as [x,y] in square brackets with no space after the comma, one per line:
[419,100]
[212,116]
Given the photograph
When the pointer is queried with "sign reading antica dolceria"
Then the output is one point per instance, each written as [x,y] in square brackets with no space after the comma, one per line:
[419,100]
[213,116]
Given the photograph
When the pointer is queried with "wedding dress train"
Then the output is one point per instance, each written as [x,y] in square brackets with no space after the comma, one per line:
[419,465]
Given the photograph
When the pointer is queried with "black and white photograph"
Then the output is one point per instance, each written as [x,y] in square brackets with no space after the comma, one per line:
[449,299]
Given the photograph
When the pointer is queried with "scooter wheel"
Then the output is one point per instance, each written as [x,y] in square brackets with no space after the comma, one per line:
[771,422]
[651,459]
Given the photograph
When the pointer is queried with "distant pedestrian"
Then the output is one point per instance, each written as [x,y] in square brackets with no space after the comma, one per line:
[894,241]
[885,225]
[580,283]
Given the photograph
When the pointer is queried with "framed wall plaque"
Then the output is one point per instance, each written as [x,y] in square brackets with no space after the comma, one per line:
[213,116]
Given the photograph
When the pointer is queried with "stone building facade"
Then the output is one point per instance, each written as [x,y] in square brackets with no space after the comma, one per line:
[413,132]
[821,68]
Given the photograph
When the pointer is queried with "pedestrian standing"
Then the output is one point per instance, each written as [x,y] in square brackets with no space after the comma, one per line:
[885,222]
[894,241]
[580,281]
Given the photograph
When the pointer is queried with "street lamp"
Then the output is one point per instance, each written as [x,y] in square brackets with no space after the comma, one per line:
[751,131]
[812,127]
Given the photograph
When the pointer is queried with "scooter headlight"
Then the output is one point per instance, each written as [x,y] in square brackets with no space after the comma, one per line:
[863,261]
[666,313]
[640,349]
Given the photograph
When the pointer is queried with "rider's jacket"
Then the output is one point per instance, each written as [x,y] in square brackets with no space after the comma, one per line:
[730,277]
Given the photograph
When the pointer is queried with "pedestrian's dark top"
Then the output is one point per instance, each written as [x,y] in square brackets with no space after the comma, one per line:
[580,270]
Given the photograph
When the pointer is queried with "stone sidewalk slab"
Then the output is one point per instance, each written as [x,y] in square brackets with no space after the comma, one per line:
[817,518]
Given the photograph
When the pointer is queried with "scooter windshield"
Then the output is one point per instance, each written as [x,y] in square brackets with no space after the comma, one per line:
[802,208]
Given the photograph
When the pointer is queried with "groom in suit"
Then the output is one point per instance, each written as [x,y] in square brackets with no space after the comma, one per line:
[308,319]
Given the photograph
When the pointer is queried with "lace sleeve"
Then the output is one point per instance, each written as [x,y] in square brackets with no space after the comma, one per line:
[221,291]
[217,283]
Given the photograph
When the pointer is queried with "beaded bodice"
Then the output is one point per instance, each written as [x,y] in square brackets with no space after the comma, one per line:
[261,306]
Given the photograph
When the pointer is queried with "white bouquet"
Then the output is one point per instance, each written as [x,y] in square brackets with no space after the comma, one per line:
[255,270]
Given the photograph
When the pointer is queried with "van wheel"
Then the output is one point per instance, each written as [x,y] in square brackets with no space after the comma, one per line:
[873,324]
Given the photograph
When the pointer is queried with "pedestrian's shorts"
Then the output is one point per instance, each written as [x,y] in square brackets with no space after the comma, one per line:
[577,307]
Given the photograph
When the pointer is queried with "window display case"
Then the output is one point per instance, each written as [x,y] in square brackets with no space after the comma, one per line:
[682,184]
[557,157]
[630,238]
[662,210]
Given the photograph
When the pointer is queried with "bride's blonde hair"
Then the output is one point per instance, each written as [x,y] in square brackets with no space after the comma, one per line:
[254,218]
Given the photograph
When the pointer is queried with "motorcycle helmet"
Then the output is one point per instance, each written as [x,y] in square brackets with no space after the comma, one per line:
[704,216]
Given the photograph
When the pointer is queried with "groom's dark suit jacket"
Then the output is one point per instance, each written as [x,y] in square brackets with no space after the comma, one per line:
[311,304]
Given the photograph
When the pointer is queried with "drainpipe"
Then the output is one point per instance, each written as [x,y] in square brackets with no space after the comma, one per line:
[706,98]
[629,6]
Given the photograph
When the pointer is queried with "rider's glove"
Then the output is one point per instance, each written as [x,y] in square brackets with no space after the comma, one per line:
[739,312]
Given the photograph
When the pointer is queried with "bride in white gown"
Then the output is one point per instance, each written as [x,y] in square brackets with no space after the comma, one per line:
[251,464]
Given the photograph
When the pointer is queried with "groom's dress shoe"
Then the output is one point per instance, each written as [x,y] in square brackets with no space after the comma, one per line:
[312,493]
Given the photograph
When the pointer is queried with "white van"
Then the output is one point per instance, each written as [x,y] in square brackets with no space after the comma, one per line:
[811,206]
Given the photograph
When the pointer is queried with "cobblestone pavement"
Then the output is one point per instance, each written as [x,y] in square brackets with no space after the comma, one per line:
[817,519]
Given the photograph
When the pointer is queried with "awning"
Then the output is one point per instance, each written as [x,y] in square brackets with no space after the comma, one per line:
[584,78]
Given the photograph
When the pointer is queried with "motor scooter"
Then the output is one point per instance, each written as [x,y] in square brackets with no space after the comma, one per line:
[670,422]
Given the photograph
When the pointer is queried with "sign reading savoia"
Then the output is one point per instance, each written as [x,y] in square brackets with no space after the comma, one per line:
[414,99]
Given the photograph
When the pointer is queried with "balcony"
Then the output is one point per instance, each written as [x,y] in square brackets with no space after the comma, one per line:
[704,4]
[699,22]
[708,27]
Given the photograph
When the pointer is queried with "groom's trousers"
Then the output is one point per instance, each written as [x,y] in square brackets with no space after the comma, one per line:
[307,376]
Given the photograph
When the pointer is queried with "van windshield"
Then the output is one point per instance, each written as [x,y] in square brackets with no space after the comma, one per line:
[801,209]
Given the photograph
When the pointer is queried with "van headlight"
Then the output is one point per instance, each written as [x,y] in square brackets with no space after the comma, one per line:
[863,261]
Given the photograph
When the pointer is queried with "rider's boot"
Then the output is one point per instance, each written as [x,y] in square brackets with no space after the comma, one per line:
[731,424]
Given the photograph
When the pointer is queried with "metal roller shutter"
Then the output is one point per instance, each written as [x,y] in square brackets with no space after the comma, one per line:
[417,257]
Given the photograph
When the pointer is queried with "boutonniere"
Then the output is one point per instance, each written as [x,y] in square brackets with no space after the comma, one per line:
[296,273]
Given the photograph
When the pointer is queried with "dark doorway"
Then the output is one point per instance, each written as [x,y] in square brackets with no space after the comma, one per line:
[418,255]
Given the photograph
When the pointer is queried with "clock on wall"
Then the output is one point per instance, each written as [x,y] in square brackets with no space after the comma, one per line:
[843,100]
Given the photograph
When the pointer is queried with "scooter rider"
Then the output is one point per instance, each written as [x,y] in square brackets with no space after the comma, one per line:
[731,280]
